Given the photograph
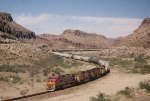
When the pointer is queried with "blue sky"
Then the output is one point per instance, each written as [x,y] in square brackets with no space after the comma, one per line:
[112,18]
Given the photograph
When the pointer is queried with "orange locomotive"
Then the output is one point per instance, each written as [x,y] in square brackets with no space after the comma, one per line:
[56,82]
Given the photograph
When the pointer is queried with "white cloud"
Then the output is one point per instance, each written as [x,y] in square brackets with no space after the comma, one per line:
[55,24]
[31,20]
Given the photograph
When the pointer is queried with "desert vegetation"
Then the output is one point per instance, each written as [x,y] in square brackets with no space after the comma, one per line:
[145,85]
[128,92]
[100,97]
[44,66]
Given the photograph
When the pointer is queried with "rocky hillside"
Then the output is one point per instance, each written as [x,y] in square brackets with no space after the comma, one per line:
[140,37]
[10,31]
[77,39]
[20,54]
[15,46]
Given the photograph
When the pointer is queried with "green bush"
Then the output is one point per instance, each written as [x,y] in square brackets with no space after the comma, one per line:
[145,85]
[127,92]
[100,97]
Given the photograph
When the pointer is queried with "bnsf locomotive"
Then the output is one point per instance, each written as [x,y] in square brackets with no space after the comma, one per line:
[55,82]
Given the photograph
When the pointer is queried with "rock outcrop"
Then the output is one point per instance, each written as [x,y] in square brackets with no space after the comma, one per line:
[11,30]
[139,38]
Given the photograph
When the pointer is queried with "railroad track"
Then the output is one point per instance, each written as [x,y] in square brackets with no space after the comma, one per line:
[64,50]
[27,96]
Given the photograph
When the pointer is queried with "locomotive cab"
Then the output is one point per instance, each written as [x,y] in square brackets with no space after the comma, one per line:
[51,83]
[56,82]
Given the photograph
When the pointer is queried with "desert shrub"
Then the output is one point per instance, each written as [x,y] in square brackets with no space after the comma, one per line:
[5,79]
[24,92]
[54,61]
[58,70]
[128,92]
[15,78]
[118,61]
[132,55]
[34,70]
[141,68]
[124,62]
[13,68]
[46,71]
[141,58]
[100,97]
[6,68]
[38,80]
[145,85]
[46,65]
[12,78]
[50,61]
[145,69]
[73,63]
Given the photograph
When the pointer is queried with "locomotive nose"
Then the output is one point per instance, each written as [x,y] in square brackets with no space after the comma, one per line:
[51,85]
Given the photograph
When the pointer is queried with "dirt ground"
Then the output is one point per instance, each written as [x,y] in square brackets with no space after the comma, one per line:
[109,85]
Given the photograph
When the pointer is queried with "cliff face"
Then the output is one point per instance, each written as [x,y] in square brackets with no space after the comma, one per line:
[139,38]
[11,30]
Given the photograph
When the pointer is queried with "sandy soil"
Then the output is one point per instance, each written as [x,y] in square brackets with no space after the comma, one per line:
[110,84]
[144,99]
[11,91]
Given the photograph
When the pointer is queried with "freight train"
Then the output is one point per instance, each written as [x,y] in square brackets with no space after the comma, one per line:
[84,58]
[56,81]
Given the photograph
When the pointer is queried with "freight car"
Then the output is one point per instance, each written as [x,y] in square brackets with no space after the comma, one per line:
[94,60]
[83,58]
[86,59]
[76,57]
[63,54]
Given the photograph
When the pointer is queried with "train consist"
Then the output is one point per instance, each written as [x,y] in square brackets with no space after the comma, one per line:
[56,81]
